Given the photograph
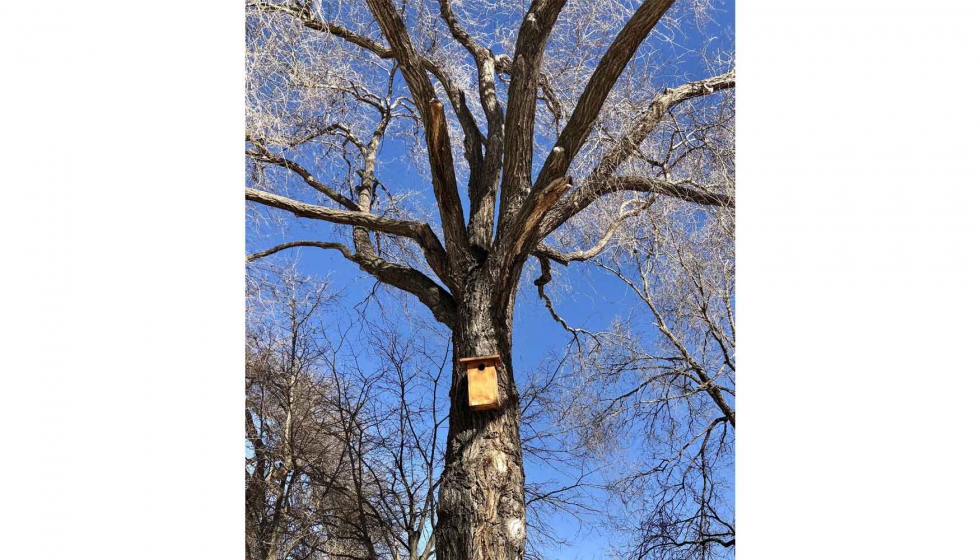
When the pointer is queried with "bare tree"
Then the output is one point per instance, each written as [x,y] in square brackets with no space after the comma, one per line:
[286,430]
[664,376]
[520,106]
[342,455]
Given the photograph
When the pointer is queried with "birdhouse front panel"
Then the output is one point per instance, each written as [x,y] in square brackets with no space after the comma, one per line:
[481,379]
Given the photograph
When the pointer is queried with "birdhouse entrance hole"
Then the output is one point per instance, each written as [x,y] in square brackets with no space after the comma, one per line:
[481,380]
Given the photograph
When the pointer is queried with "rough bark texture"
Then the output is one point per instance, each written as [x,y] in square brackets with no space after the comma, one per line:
[481,499]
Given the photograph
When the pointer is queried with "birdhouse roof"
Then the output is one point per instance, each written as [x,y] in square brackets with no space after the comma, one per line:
[492,358]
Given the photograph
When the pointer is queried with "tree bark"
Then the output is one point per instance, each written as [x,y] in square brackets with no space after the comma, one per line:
[481,496]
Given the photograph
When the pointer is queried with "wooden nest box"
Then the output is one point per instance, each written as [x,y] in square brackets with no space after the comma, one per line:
[481,378]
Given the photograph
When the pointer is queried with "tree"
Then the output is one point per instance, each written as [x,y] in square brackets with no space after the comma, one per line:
[568,137]
[665,376]
[342,457]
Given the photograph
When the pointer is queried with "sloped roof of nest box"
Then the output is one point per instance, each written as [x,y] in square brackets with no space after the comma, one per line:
[495,358]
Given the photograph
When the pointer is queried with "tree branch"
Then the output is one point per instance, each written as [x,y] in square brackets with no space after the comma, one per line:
[683,190]
[483,178]
[541,282]
[310,21]
[543,250]
[439,301]
[435,255]
[504,65]
[269,157]
[600,84]
[521,102]
[581,198]
[512,249]
[348,254]
[436,132]
[413,68]
[631,141]
[601,182]
[353,218]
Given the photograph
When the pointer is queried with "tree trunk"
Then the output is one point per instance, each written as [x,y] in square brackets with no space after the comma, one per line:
[481,496]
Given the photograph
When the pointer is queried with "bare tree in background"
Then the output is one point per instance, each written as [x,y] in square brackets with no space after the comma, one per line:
[546,113]
[661,378]
[664,376]
[342,459]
